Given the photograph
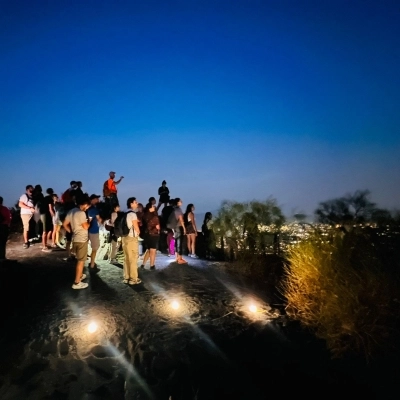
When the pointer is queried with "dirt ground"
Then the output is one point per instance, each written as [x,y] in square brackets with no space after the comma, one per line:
[211,347]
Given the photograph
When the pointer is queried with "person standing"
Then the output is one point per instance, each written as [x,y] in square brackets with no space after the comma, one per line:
[191,230]
[130,244]
[163,192]
[27,210]
[68,203]
[5,221]
[209,236]
[77,224]
[56,206]
[46,208]
[114,239]
[94,235]
[176,223]
[151,224]
[110,189]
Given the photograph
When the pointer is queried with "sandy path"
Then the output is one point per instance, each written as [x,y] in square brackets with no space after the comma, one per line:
[212,346]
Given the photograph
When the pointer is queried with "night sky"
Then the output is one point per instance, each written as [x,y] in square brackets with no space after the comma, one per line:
[238,100]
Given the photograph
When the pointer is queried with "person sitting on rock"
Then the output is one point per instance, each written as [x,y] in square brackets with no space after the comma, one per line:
[163,192]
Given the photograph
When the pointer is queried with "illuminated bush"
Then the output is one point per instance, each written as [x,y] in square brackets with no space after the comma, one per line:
[343,290]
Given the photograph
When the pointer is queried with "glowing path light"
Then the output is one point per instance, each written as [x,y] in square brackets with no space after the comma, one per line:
[175,305]
[253,308]
[92,327]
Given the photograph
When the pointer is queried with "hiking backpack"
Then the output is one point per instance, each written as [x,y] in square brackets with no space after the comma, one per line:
[106,190]
[120,226]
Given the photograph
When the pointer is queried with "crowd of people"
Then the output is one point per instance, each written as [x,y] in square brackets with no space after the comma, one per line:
[73,220]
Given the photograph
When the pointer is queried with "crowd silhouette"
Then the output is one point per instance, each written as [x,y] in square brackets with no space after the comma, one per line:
[75,219]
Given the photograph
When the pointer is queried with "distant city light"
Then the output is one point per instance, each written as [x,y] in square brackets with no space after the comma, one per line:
[92,327]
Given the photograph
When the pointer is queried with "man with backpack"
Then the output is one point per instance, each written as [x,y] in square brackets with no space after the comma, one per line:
[110,189]
[126,226]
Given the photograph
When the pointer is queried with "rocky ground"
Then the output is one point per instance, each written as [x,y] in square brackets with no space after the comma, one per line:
[211,347]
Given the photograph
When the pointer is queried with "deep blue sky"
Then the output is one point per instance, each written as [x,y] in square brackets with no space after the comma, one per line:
[237,100]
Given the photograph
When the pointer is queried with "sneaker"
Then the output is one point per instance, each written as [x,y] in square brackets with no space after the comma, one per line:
[83,277]
[152,267]
[60,246]
[80,285]
[126,281]
[182,261]
[142,266]
[94,270]
[168,255]
[26,245]
[46,249]
[194,256]
[133,282]
[189,255]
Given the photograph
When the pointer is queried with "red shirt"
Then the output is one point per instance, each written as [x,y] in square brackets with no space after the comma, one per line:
[112,186]
[5,215]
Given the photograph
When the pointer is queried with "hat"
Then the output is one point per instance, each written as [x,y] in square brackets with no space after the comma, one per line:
[111,172]
[94,196]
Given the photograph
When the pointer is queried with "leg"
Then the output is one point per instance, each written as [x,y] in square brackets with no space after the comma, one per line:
[3,240]
[80,250]
[79,271]
[153,253]
[95,244]
[193,243]
[133,268]
[25,222]
[130,245]
[147,256]
[114,246]
[127,256]
[189,244]
[68,237]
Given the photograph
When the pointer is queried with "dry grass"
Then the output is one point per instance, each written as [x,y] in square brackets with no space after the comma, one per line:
[340,290]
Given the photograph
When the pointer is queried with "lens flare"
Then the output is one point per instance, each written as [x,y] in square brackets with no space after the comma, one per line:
[92,327]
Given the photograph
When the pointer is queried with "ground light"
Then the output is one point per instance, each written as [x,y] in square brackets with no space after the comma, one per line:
[92,327]
[175,305]
[253,308]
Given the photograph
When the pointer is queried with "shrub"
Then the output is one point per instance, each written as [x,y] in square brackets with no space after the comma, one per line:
[341,289]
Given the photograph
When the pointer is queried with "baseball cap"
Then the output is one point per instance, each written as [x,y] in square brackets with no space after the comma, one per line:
[111,172]
[94,196]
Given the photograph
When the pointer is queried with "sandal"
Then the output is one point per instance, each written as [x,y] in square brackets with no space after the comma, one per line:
[133,282]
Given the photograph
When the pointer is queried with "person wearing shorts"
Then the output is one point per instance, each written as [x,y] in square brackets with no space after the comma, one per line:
[151,223]
[27,210]
[77,224]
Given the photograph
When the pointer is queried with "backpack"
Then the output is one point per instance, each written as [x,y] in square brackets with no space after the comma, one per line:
[120,226]
[106,190]
[172,221]
[66,197]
